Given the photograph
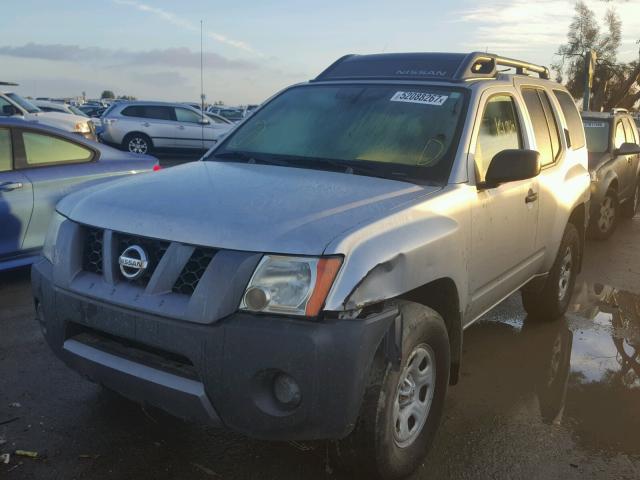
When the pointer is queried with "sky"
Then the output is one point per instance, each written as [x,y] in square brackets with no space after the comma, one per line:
[253,48]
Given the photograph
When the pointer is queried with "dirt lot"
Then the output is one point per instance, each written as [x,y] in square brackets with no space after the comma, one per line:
[535,401]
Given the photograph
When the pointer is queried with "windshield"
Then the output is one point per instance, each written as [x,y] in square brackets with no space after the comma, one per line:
[24,103]
[597,132]
[411,129]
[77,111]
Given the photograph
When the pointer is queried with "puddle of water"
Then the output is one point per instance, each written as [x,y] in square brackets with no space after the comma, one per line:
[584,369]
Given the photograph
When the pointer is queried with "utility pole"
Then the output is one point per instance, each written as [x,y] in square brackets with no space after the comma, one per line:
[589,68]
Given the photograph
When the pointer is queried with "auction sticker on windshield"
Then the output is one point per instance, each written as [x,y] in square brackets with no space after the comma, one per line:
[594,124]
[420,97]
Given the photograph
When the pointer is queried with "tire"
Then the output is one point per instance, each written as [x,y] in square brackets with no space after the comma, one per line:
[552,301]
[376,449]
[137,143]
[631,206]
[604,224]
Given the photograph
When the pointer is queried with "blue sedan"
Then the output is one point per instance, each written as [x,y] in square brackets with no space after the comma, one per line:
[38,166]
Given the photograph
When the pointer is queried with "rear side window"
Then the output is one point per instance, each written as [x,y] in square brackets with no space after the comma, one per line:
[572,117]
[153,112]
[46,150]
[499,130]
[544,125]
[5,150]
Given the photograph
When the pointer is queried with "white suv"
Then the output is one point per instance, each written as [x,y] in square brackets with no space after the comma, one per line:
[13,105]
[143,126]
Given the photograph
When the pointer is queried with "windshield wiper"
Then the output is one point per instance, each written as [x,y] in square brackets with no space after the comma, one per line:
[250,158]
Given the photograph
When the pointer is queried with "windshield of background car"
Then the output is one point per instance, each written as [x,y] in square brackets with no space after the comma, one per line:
[23,102]
[77,111]
[411,128]
[597,133]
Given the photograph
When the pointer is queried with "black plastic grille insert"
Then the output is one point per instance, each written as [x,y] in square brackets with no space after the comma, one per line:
[193,271]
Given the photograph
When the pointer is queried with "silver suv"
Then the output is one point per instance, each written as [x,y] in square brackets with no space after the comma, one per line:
[312,276]
[141,127]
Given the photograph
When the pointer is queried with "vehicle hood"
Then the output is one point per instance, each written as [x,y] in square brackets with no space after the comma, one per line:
[258,208]
[63,121]
[596,159]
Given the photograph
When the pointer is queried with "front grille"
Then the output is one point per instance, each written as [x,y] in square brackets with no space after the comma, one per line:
[193,271]
[185,284]
[155,250]
[92,255]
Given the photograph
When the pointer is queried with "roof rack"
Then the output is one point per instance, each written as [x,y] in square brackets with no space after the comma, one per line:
[9,84]
[456,67]
[619,110]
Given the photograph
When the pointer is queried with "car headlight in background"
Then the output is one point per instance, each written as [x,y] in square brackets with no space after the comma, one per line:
[49,248]
[82,127]
[290,285]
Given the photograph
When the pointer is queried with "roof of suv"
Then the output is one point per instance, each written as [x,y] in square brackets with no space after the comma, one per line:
[449,67]
[152,102]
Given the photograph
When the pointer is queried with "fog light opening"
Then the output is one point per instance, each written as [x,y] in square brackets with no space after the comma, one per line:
[286,390]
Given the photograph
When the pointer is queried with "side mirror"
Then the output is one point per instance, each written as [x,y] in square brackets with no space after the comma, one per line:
[511,166]
[9,110]
[627,149]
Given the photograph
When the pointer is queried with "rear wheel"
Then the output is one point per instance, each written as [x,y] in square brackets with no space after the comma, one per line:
[632,206]
[402,408]
[604,223]
[552,301]
[137,143]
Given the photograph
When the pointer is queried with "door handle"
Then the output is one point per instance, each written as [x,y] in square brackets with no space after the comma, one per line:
[146,124]
[531,197]
[9,186]
[181,127]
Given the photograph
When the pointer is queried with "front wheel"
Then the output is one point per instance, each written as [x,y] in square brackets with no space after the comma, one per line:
[552,301]
[604,222]
[632,206]
[402,408]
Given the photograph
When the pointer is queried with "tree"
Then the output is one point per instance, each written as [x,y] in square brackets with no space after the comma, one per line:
[614,84]
[107,94]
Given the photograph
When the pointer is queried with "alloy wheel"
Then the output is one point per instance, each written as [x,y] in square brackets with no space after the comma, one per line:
[138,145]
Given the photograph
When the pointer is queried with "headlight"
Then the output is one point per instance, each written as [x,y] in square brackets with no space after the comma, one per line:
[48,251]
[290,285]
[594,175]
[82,127]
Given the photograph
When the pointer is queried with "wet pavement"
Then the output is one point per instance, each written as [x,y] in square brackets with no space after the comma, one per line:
[536,400]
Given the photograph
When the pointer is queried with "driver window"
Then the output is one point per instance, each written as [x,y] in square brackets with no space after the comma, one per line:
[184,115]
[499,130]
[620,138]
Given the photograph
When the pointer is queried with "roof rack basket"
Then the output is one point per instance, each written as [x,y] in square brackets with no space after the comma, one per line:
[429,66]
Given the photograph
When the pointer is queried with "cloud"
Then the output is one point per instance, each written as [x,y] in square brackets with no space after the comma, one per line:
[188,25]
[169,57]
[161,79]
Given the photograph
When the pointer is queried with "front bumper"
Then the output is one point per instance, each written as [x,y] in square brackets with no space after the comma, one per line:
[220,373]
